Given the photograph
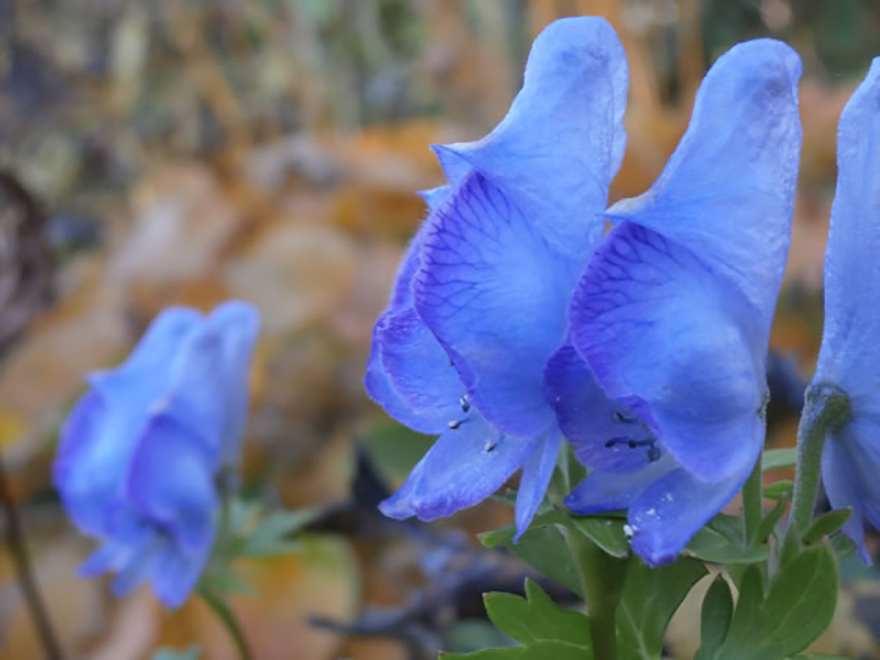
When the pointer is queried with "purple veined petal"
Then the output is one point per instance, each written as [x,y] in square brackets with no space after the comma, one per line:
[419,370]
[379,387]
[405,352]
[849,356]
[666,515]
[602,492]
[494,294]
[94,452]
[536,476]
[462,468]
[434,196]
[145,376]
[171,483]
[606,435]
[562,142]
[666,336]
[727,193]
[175,575]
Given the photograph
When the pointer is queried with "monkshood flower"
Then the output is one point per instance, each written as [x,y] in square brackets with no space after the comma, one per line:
[480,300]
[672,315]
[849,359]
[141,453]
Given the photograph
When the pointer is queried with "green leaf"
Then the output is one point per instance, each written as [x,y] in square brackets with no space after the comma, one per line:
[536,617]
[843,547]
[226,582]
[711,545]
[715,618]
[192,653]
[269,537]
[768,523]
[544,650]
[827,524]
[779,490]
[607,533]
[779,458]
[650,598]
[798,608]
[544,549]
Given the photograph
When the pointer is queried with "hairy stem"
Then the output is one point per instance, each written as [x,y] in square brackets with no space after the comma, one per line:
[602,581]
[826,409]
[16,540]
[222,610]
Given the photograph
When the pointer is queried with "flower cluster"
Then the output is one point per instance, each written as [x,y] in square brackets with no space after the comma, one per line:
[515,320]
[142,452]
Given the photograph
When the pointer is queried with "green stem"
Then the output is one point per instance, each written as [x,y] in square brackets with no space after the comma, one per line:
[222,610]
[826,409]
[753,497]
[602,581]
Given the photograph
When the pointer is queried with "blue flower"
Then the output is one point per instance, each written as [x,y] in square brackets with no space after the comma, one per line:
[662,389]
[850,355]
[141,451]
[480,300]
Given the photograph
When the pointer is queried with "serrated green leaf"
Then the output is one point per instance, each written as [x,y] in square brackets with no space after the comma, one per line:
[517,653]
[774,459]
[779,490]
[798,608]
[715,618]
[650,598]
[544,549]
[536,617]
[192,653]
[827,524]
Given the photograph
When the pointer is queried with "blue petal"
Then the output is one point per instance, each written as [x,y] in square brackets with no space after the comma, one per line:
[850,464]
[434,196]
[419,369]
[140,566]
[209,389]
[171,482]
[144,376]
[494,294]
[462,468]
[94,451]
[850,354]
[405,355]
[606,434]
[379,387]
[601,492]
[175,576]
[536,476]
[666,336]
[110,556]
[563,140]
[727,193]
[666,515]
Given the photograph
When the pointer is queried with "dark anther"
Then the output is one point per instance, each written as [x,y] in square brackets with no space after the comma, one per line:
[632,444]
[653,454]
[465,403]
[454,424]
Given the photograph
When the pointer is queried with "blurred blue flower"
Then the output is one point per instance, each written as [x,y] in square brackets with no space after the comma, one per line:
[850,355]
[672,315]
[140,455]
[480,300]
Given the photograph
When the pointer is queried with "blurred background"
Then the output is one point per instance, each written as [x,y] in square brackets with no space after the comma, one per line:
[160,152]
